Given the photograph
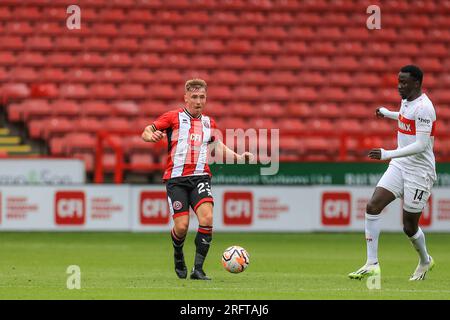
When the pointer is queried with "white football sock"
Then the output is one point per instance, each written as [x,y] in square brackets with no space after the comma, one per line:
[418,241]
[372,234]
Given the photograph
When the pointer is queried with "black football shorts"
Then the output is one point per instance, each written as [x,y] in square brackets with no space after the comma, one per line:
[185,192]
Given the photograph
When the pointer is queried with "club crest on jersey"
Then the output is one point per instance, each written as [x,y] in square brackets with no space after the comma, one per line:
[206,124]
[177,205]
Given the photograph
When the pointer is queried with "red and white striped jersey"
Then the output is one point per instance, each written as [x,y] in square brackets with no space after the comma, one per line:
[416,116]
[188,138]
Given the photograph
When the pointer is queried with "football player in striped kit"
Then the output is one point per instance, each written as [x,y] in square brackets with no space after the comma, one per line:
[187,176]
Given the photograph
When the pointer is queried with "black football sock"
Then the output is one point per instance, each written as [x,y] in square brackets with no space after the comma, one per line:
[202,243]
[177,242]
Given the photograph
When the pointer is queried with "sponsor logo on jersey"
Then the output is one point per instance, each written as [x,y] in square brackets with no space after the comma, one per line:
[237,208]
[406,126]
[336,208]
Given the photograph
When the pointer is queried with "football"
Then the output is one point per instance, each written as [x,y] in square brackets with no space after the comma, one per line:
[235,259]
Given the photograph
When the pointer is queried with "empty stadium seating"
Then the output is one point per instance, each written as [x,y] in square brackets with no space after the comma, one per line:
[305,65]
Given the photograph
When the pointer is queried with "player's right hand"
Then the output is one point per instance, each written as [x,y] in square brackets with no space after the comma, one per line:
[152,136]
[378,113]
[157,135]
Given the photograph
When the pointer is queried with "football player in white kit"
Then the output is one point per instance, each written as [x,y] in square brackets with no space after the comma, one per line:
[410,175]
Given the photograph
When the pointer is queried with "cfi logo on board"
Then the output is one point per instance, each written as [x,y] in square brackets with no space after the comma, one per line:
[154,208]
[70,208]
[336,208]
[237,208]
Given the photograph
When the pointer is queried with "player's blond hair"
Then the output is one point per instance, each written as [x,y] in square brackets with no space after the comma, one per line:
[195,84]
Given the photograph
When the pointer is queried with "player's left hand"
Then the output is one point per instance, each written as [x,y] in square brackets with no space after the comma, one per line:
[247,156]
[375,154]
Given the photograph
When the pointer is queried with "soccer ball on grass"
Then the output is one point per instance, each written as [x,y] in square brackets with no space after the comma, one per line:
[235,259]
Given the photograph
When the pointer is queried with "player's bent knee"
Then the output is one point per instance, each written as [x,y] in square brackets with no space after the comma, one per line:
[181,226]
[373,208]
[410,230]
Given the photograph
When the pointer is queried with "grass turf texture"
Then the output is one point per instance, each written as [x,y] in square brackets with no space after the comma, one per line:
[282,266]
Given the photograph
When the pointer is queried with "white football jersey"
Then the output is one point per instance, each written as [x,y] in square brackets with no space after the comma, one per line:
[416,116]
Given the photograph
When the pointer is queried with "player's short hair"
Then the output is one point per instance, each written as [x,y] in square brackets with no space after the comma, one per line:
[414,71]
[195,84]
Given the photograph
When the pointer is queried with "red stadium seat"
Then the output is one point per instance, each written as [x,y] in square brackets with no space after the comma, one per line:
[73,91]
[21,28]
[161,91]
[60,59]
[133,29]
[89,125]
[304,94]
[301,33]
[34,59]
[317,63]
[68,43]
[291,124]
[274,32]
[233,61]
[300,110]
[23,74]
[116,123]
[56,127]
[218,31]
[328,111]
[110,76]
[275,93]
[288,62]
[344,63]
[260,62]
[271,110]
[66,108]
[7,58]
[294,47]
[360,95]
[94,108]
[242,109]
[287,78]
[248,93]
[333,94]
[83,75]
[220,92]
[39,43]
[36,128]
[140,76]
[153,108]
[267,47]
[312,78]
[53,75]
[256,77]
[74,142]
[169,76]
[238,46]
[126,109]
[102,91]
[90,59]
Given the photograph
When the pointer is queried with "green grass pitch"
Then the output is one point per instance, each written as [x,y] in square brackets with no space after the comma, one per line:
[282,266]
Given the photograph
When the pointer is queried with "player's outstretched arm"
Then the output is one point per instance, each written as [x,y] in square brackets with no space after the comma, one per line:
[382,112]
[222,149]
[422,141]
[150,134]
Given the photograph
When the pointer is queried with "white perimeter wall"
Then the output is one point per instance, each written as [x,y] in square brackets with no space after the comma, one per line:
[237,208]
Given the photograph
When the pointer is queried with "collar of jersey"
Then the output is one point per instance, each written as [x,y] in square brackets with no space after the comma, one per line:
[190,115]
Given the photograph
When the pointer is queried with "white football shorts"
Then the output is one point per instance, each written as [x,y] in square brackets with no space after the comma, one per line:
[415,190]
